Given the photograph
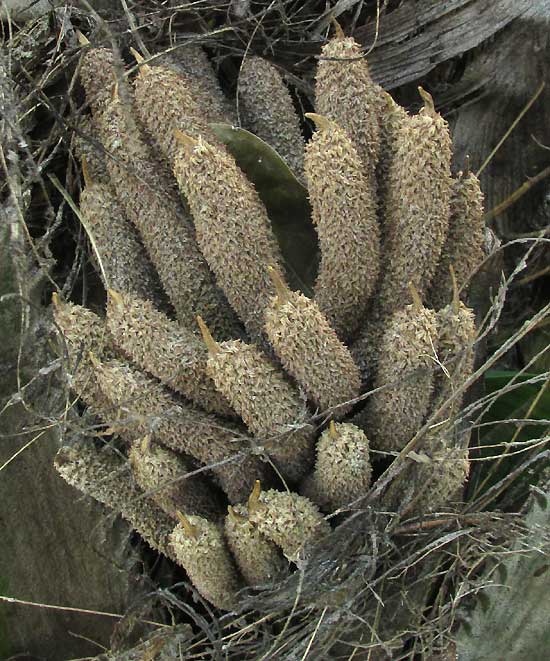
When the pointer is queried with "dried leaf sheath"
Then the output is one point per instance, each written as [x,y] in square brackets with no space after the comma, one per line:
[148,408]
[343,204]
[267,110]
[233,229]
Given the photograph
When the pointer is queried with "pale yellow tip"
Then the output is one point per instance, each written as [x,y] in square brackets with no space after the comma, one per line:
[189,529]
[82,40]
[210,342]
[94,360]
[254,498]
[456,296]
[332,430]
[321,123]
[55,300]
[339,33]
[280,286]
[88,181]
[185,140]
[235,518]
[427,98]
[115,298]
[145,444]
[417,301]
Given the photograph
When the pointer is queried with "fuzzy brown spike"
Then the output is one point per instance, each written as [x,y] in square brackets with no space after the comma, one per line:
[147,407]
[291,521]
[342,471]
[159,472]
[206,559]
[259,559]
[404,376]
[164,348]
[311,352]
[225,204]
[343,202]
[267,110]
[103,475]
[272,408]
[464,247]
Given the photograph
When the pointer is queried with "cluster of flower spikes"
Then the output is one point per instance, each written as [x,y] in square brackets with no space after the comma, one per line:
[241,405]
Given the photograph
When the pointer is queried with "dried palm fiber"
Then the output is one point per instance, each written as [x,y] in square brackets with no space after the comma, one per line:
[103,475]
[310,350]
[192,60]
[289,520]
[87,148]
[259,560]
[266,109]
[440,481]
[272,408]
[200,548]
[346,94]
[417,210]
[343,202]
[342,471]
[84,332]
[160,472]
[463,249]
[233,229]
[166,101]
[405,374]
[165,229]
[165,349]
[123,263]
[146,407]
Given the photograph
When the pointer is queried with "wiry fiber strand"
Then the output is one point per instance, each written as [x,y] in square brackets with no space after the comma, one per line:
[147,408]
[463,249]
[123,257]
[291,521]
[103,475]
[405,374]
[233,229]
[311,352]
[342,471]
[165,349]
[259,559]
[266,109]
[343,202]
[165,230]
[161,472]
[272,408]
[201,549]
[346,94]
[166,101]
[417,212]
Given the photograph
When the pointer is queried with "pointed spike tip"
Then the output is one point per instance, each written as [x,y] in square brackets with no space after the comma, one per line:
[94,360]
[281,287]
[145,445]
[321,123]
[189,529]
[338,32]
[211,344]
[88,181]
[82,39]
[56,302]
[456,295]
[114,298]
[254,498]
[416,300]
[332,430]
[185,140]
[427,98]
[235,518]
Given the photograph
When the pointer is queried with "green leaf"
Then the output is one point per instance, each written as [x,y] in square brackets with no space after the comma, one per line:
[285,199]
